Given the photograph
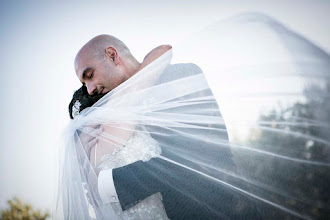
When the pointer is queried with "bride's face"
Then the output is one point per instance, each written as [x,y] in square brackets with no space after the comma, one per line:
[99,75]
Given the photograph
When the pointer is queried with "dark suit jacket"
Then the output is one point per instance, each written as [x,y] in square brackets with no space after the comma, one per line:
[186,194]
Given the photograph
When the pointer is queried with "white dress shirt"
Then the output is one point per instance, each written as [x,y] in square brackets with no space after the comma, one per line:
[106,186]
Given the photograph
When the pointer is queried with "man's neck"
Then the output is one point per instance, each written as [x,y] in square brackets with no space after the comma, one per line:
[131,66]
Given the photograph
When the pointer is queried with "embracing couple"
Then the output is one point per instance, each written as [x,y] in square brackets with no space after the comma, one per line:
[147,141]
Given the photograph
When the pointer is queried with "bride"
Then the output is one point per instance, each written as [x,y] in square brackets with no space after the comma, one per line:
[161,140]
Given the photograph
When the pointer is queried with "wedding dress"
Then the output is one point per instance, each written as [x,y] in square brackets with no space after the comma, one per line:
[141,146]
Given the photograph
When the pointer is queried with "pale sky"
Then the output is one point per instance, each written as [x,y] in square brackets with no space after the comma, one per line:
[39,41]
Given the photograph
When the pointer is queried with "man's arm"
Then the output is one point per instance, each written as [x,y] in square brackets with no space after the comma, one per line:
[129,184]
[186,194]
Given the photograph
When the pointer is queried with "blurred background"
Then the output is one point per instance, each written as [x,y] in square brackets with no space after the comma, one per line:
[39,41]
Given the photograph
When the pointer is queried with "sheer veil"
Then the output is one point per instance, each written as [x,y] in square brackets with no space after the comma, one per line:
[272,87]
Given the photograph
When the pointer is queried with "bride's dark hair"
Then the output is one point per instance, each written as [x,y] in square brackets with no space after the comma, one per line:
[84,98]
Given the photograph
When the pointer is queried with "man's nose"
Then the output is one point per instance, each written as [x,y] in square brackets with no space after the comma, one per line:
[91,88]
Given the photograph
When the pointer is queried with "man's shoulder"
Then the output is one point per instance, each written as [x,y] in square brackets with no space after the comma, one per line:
[179,70]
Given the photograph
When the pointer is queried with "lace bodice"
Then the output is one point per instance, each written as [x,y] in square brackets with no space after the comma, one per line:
[141,146]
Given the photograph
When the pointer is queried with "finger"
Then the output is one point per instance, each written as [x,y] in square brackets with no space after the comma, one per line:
[89,144]
[94,126]
[92,143]
[98,131]
[95,132]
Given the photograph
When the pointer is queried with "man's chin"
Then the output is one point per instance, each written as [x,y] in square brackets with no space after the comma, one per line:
[98,96]
[104,92]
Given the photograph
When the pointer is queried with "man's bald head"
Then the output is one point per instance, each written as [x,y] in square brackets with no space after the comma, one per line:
[103,63]
[95,48]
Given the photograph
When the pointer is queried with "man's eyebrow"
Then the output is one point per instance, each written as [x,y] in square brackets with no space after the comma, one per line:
[88,69]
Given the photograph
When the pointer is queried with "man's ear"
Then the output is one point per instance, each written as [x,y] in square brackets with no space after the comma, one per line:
[112,54]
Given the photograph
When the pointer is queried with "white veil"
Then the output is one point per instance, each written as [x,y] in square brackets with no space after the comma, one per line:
[275,105]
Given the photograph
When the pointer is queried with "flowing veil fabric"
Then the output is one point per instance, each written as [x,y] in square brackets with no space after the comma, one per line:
[272,88]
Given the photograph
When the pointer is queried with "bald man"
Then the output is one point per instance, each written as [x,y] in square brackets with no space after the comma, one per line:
[105,62]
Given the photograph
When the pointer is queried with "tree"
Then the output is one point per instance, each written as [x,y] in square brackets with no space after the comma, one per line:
[294,172]
[18,210]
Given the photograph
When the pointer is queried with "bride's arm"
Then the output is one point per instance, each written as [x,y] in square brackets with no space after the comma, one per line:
[113,136]
[153,55]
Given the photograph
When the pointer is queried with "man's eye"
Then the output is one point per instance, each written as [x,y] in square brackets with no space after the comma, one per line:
[91,75]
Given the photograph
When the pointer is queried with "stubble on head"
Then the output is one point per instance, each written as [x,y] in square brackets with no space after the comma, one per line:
[110,57]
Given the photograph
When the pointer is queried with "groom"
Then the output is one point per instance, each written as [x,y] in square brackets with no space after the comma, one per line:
[101,65]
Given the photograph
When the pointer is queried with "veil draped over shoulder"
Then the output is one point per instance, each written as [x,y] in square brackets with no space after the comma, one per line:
[265,85]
